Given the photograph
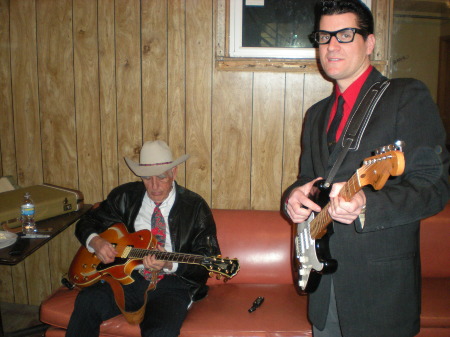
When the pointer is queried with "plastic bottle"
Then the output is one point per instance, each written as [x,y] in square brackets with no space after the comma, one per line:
[27,215]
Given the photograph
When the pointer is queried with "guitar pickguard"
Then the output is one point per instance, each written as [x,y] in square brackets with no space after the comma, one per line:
[305,249]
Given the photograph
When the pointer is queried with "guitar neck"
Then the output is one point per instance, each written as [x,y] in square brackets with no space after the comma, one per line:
[322,220]
[138,253]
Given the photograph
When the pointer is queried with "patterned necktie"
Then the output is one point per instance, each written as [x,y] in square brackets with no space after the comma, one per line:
[159,231]
[158,225]
[331,136]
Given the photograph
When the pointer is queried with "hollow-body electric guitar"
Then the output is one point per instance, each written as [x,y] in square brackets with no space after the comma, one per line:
[311,253]
[86,268]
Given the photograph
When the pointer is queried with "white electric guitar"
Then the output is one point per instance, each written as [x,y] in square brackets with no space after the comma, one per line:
[311,253]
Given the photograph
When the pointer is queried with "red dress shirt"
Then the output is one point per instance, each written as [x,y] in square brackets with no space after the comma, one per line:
[349,95]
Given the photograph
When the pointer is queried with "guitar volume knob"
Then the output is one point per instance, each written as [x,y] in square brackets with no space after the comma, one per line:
[303,259]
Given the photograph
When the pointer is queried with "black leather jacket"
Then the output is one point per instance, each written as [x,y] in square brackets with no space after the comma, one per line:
[191,224]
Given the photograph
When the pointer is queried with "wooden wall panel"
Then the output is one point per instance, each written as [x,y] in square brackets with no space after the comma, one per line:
[176,81]
[292,127]
[154,69]
[231,140]
[25,92]
[6,285]
[198,96]
[107,96]
[56,92]
[315,89]
[20,286]
[37,276]
[128,81]
[61,249]
[7,146]
[267,140]
[87,98]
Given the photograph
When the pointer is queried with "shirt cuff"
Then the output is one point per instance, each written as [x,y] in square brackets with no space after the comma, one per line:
[173,270]
[362,216]
[90,237]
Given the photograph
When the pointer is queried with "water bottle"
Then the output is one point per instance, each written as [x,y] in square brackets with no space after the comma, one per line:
[27,215]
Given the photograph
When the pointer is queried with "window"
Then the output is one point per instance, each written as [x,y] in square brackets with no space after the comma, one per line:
[272,28]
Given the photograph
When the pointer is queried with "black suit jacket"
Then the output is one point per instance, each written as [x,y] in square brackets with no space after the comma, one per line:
[377,282]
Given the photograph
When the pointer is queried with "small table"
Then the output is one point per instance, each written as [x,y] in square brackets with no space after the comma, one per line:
[53,227]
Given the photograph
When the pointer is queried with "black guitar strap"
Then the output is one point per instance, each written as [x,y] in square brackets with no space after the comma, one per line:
[356,125]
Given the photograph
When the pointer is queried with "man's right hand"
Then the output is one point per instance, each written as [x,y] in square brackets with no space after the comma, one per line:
[299,206]
[104,250]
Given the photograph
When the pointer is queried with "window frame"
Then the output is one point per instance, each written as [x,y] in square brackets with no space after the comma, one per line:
[235,40]
[382,12]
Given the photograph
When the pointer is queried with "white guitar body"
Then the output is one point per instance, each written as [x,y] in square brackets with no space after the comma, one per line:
[305,253]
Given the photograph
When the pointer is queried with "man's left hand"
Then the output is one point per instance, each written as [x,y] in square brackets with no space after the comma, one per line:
[345,211]
[150,261]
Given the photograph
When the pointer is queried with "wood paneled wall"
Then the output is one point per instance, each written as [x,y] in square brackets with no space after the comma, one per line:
[84,83]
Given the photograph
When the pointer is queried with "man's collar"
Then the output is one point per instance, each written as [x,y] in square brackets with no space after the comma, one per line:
[351,93]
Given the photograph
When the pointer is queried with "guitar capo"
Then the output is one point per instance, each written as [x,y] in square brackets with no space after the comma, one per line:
[256,304]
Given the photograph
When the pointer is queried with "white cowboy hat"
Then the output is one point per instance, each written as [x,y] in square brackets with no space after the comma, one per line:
[155,159]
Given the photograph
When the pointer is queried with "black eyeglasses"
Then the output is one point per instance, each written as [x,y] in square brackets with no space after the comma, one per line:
[345,35]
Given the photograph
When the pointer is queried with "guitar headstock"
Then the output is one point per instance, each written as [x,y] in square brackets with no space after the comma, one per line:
[388,161]
[220,266]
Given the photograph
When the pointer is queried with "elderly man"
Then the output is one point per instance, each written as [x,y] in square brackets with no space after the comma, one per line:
[181,221]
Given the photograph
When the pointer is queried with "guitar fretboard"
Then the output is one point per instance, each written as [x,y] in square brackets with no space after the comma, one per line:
[322,220]
[138,253]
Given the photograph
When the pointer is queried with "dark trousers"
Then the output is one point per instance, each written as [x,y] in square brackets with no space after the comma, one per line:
[332,326]
[165,312]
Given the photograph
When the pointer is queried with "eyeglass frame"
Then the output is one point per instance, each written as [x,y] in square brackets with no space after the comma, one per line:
[355,31]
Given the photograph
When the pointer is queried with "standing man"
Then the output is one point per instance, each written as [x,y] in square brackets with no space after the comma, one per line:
[185,225]
[375,291]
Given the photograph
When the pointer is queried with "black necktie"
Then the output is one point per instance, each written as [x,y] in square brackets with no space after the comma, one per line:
[331,136]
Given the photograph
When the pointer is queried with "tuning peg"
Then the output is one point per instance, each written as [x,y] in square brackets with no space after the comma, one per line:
[218,276]
[399,145]
[380,150]
[211,274]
